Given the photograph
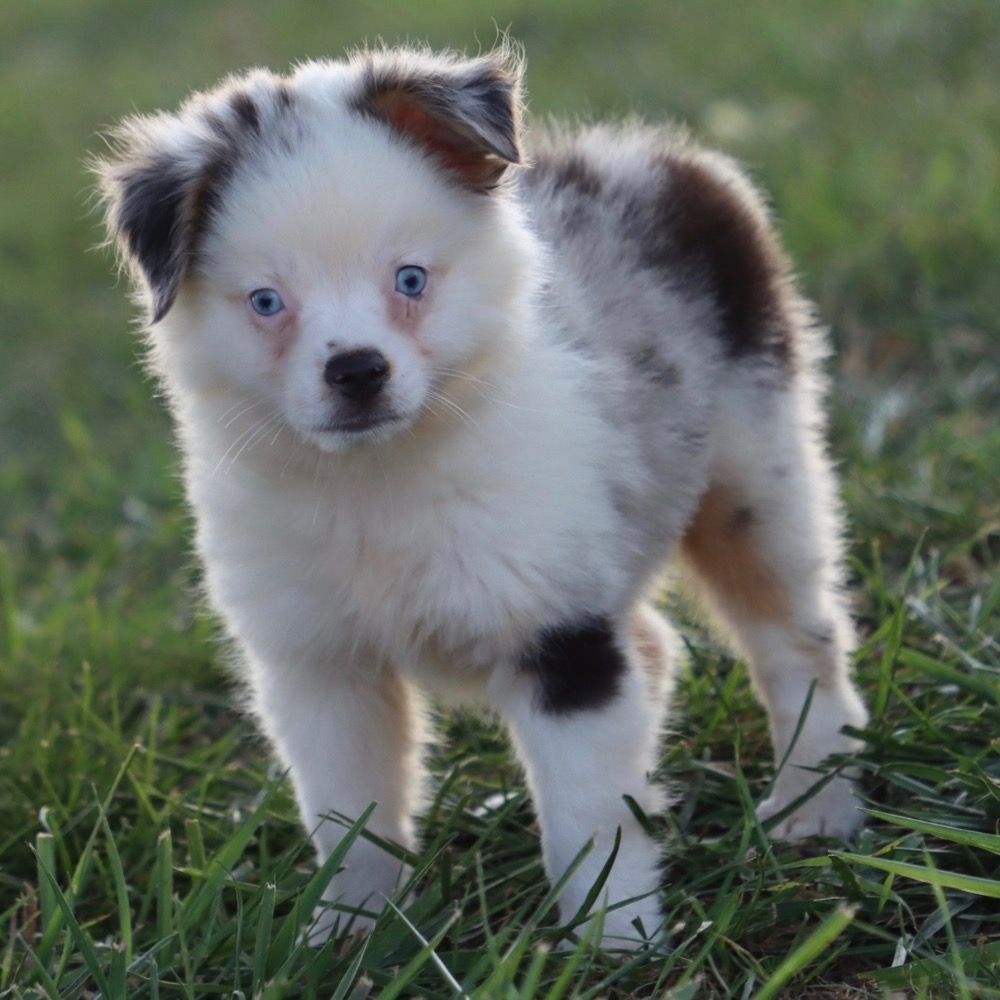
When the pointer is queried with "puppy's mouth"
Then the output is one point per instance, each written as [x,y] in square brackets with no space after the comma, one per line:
[347,433]
[358,424]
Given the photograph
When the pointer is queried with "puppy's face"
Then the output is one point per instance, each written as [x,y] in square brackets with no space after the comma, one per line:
[336,245]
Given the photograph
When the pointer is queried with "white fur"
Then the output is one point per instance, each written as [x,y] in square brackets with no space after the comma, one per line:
[356,571]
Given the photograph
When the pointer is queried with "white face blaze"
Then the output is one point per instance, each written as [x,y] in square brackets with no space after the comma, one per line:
[327,225]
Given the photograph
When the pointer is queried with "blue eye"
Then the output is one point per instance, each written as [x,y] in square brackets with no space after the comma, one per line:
[266,302]
[411,280]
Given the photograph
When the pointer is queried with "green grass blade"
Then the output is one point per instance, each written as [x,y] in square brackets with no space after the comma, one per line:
[196,845]
[887,665]
[121,888]
[45,850]
[984,687]
[583,948]
[164,877]
[434,957]
[78,935]
[976,961]
[82,869]
[262,945]
[584,910]
[971,838]
[47,982]
[953,949]
[813,946]
[533,977]
[343,990]
[932,876]
[427,953]
[8,605]
[117,974]
[195,905]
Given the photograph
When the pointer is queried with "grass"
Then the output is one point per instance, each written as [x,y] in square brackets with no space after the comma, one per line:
[147,846]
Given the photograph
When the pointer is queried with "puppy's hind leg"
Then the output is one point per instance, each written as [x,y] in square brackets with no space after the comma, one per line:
[765,546]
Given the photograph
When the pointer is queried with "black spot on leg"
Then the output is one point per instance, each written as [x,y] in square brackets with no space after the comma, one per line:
[578,667]
[744,518]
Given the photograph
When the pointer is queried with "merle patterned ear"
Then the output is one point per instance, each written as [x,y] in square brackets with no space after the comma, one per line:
[146,212]
[159,185]
[464,113]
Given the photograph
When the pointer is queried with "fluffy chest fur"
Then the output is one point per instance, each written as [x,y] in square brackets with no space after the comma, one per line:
[458,543]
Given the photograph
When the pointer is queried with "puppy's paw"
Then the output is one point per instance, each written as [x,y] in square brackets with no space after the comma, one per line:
[834,811]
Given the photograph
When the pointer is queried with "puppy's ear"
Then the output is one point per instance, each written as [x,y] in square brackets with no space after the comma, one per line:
[160,182]
[465,113]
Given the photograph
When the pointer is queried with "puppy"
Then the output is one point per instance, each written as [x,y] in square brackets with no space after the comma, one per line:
[450,396]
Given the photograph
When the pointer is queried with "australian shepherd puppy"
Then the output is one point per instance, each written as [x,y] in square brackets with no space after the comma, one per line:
[451,393]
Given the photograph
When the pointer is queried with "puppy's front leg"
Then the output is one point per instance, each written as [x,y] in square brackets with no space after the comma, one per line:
[586,724]
[348,740]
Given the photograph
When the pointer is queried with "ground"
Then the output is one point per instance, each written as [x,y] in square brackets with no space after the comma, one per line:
[148,848]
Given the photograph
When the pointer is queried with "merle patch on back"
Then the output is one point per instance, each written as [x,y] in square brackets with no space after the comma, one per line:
[690,226]
[701,231]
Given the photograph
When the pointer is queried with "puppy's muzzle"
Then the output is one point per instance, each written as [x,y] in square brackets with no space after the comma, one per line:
[357,375]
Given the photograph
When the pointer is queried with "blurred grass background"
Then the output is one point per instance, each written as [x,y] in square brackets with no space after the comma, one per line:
[875,128]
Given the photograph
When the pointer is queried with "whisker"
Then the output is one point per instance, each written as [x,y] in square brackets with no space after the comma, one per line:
[246,435]
[481,384]
[262,432]
[253,404]
[468,376]
[454,407]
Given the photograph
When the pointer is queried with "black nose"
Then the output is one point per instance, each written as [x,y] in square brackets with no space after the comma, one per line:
[358,375]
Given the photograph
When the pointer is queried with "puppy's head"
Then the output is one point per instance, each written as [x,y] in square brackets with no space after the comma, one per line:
[337,243]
